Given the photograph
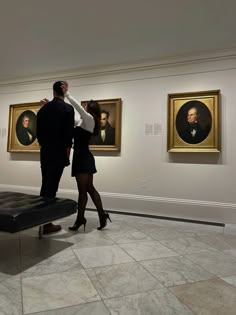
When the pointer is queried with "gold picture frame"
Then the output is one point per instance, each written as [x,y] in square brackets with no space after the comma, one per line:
[194,122]
[109,137]
[22,128]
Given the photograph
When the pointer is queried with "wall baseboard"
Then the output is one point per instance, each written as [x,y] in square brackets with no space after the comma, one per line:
[163,218]
[169,208]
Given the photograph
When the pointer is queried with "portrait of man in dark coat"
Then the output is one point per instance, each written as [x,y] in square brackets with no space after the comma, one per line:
[106,135]
[25,134]
[193,122]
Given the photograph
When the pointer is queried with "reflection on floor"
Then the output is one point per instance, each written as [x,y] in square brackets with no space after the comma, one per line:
[136,266]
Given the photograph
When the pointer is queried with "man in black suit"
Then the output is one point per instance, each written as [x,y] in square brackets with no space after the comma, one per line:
[55,127]
[24,133]
[193,134]
[106,135]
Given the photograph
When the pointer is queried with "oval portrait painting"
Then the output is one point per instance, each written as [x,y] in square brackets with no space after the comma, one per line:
[26,127]
[193,122]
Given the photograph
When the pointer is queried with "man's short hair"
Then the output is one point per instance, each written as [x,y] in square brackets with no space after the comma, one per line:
[105,112]
[57,88]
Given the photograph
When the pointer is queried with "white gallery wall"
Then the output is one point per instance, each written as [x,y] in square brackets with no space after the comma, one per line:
[143,177]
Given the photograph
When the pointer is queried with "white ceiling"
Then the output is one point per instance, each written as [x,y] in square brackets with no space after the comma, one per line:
[40,37]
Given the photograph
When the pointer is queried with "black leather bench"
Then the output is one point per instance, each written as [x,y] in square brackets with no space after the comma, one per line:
[20,211]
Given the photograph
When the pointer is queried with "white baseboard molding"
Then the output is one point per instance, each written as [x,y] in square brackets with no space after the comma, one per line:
[198,210]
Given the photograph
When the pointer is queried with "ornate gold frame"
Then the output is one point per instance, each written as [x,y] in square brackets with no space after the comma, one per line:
[15,111]
[210,100]
[116,102]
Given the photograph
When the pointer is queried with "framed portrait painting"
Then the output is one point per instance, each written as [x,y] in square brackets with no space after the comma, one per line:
[194,122]
[109,135]
[22,128]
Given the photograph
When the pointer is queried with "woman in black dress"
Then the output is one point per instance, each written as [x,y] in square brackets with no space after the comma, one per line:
[83,164]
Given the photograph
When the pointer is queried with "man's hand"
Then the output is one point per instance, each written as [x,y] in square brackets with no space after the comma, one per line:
[44,101]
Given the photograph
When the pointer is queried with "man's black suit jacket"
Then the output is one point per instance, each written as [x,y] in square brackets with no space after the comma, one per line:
[55,129]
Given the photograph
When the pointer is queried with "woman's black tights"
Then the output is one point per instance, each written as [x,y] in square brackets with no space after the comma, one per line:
[85,186]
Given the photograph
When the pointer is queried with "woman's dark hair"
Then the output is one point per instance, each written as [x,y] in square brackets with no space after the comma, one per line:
[93,108]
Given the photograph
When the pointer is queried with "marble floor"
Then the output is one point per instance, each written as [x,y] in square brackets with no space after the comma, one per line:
[136,266]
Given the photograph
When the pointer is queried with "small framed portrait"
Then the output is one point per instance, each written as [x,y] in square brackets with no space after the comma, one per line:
[22,128]
[194,122]
[109,135]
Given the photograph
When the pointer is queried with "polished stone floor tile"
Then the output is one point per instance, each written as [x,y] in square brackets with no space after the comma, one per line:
[120,280]
[119,226]
[4,276]
[32,232]
[185,246]
[144,223]
[155,302]
[9,258]
[102,256]
[211,297]
[9,236]
[54,291]
[181,226]
[230,229]
[169,229]
[231,280]
[216,262]
[91,239]
[165,233]
[128,237]
[94,308]
[172,271]
[140,266]
[230,252]
[200,229]
[147,250]
[9,246]
[63,261]
[10,296]
[220,241]
[42,247]
[35,251]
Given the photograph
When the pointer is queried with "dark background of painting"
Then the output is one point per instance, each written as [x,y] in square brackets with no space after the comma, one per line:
[32,124]
[111,108]
[204,120]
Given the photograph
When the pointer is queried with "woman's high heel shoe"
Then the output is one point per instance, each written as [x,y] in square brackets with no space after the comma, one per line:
[78,224]
[103,220]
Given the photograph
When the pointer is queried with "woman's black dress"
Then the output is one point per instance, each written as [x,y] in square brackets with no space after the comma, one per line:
[83,160]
